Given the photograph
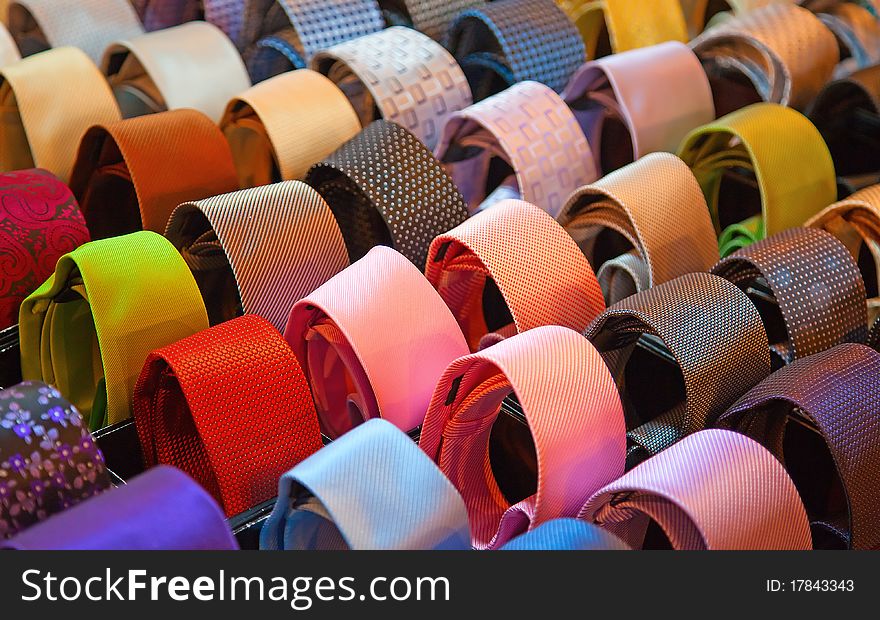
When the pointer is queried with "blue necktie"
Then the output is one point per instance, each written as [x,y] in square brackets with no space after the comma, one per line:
[566,535]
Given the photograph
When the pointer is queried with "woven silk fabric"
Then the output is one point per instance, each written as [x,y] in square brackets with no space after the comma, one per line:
[88,328]
[227,15]
[48,460]
[40,129]
[39,222]
[194,396]
[707,363]
[409,78]
[130,175]
[386,188]
[371,489]
[714,490]
[159,14]
[858,34]
[373,341]
[245,267]
[566,535]
[574,417]
[697,17]
[8,49]
[279,128]
[431,17]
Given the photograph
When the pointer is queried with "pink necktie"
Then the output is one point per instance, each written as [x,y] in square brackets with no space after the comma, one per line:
[574,415]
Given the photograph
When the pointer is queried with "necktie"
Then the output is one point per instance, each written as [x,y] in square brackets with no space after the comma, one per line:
[566,535]
[404,75]
[501,43]
[41,129]
[39,222]
[697,16]
[516,252]
[574,418]
[714,490]
[258,251]
[858,35]
[88,329]
[282,34]
[386,188]
[194,398]
[836,392]
[525,136]
[642,206]
[190,66]
[159,510]
[48,461]
[675,368]
[638,102]
[127,179]
[818,291]
[785,154]
[431,17]
[8,49]
[784,51]
[372,341]
[278,128]
[874,336]
[159,14]
[90,25]
[227,15]
[371,489]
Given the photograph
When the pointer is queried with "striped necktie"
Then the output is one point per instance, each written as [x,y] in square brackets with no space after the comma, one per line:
[566,535]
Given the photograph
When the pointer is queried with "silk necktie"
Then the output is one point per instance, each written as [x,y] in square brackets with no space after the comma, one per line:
[675,368]
[638,102]
[713,490]
[278,128]
[431,17]
[524,136]
[874,336]
[836,393]
[48,461]
[787,158]
[39,222]
[195,398]
[858,35]
[566,535]
[696,12]
[190,66]
[227,15]
[159,510]
[126,178]
[574,418]
[373,341]
[629,224]
[501,43]
[41,129]
[404,75]
[816,291]
[159,14]
[386,188]
[371,489]
[90,25]
[257,251]
[8,49]
[89,327]
[515,252]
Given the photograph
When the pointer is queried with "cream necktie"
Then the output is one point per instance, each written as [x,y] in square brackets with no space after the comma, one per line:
[8,49]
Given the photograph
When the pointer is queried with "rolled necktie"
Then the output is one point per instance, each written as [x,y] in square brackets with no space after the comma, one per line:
[39,222]
[371,489]
[403,75]
[524,136]
[279,128]
[372,342]
[258,251]
[431,17]
[499,44]
[629,224]
[227,15]
[575,422]
[280,35]
[698,16]
[159,510]
[127,179]
[492,269]
[8,49]
[40,129]
[763,169]
[836,393]
[194,398]
[714,490]
[566,535]
[641,101]
[386,188]
[90,25]
[675,368]
[784,52]
[858,35]
[816,293]
[88,329]
[190,66]
[159,14]
[48,460]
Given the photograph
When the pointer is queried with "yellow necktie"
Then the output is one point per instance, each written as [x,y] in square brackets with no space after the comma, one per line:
[8,49]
